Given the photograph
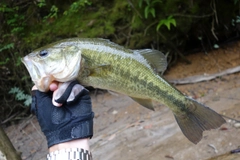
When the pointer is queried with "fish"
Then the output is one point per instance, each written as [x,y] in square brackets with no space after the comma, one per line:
[103,64]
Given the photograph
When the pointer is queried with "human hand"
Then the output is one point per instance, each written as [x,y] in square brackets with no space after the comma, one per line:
[53,87]
[73,120]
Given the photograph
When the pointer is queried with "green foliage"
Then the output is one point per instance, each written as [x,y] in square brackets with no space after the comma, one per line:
[41,3]
[77,6]
[4,8]
[14,21]
[149,7]
[167,22]
[20,96]
[236,21]
[4,62]
[53,13]
[18,61]
[7,46]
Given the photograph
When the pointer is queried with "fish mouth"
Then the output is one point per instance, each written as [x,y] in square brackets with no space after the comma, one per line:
[32,69]
[39,78]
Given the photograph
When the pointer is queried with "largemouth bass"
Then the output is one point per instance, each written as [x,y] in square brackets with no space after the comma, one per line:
[103,64]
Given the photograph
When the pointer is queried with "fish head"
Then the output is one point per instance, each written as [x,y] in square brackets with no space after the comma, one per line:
[53,63]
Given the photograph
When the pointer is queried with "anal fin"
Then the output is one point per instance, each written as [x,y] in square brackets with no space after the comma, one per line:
[144,102]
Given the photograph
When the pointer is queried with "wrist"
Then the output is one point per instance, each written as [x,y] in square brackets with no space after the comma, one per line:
[77,143]
[70,154]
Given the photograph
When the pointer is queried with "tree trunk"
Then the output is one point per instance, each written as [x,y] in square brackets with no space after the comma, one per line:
[7,148]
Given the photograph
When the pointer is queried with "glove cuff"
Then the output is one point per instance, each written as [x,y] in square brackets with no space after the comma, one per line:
[77,130]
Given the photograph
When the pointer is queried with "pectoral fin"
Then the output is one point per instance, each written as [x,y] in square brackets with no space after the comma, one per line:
[99,70]
[144,102]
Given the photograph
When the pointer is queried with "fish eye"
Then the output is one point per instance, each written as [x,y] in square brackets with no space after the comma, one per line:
[43,53]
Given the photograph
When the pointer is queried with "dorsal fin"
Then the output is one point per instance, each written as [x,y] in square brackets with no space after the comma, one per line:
[155,58]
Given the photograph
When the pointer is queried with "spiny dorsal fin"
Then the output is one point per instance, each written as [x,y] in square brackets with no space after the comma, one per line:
[144,102]
[155,58]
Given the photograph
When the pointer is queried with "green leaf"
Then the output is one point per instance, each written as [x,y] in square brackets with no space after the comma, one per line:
[140,3]
[216,46]
[7,46]
[146,12]
[13,90]
[19,62]
[65,13]
[28,100]
[41,3]
[167,22]
[152,10]
[4,62]
[19,95]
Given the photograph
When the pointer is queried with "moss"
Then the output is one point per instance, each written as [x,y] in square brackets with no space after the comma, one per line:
[137,23]
[94,24]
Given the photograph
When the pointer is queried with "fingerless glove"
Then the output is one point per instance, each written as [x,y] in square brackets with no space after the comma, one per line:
[73,120]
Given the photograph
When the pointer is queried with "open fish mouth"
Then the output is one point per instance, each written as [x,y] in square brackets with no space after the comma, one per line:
[39,78]
[33,70]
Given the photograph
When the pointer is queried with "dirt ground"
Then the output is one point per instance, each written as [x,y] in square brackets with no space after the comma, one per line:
[125,130]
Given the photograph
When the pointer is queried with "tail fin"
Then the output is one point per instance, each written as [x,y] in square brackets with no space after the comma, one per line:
[197,120]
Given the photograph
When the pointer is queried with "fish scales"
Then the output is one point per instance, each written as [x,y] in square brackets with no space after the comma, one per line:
[106,65]
[121,59]
[135,77]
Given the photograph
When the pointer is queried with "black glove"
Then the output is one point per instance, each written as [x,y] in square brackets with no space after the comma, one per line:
[73,120]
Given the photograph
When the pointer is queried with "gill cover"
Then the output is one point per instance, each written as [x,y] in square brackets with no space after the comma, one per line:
[71,65]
